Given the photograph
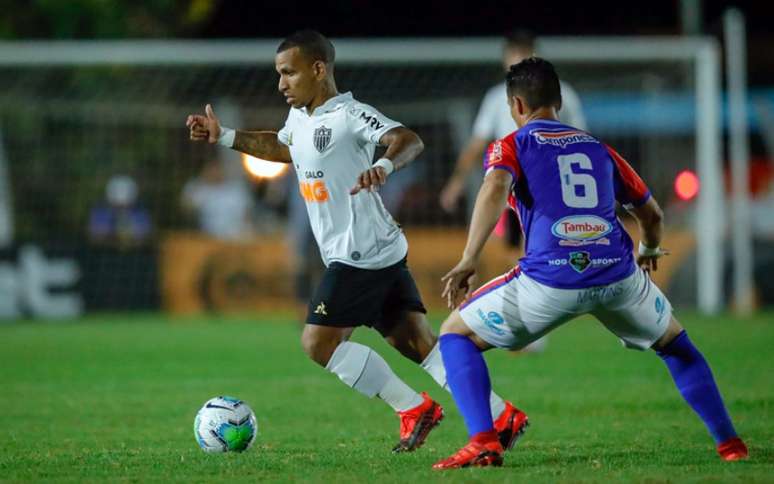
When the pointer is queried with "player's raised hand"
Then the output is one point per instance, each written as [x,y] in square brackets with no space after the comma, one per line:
[649,263]
[204,127]
[370,180]
[459,282]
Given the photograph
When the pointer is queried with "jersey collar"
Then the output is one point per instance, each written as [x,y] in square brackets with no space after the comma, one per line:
[538,121]
[331,104]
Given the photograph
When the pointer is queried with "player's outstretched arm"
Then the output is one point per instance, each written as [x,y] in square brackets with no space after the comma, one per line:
[650,218]
[491,199]
[261,144]
[403,146]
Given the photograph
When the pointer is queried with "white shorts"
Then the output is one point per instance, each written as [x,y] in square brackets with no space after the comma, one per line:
[513,310]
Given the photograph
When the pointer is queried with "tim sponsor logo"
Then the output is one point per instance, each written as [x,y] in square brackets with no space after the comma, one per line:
[561,137]
[577,230]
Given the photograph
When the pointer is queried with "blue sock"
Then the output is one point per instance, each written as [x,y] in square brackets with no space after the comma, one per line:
[694,379]
[468,380]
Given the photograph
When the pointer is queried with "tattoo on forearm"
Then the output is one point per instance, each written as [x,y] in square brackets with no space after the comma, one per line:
[262,144]
[250,143]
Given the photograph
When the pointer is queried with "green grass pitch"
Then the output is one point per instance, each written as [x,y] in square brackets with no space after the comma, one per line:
[113,399]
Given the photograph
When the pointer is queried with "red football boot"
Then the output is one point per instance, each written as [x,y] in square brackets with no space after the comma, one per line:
[510,425]
[416,423]
[480,451]
[732,449]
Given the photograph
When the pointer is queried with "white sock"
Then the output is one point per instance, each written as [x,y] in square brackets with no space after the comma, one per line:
[433,364]
[363,369]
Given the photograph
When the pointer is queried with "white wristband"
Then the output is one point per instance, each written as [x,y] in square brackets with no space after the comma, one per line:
[647,251]
[385,163]
[227,136]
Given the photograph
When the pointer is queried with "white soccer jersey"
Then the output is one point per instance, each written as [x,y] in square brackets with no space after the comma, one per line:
[494,119]
[330,148]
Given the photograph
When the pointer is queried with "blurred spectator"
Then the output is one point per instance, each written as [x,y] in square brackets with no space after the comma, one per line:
[494,121]
[120,220]
[223,207]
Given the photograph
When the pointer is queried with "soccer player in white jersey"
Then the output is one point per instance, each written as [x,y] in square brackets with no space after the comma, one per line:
[330,139]
[565,185]
[494,121]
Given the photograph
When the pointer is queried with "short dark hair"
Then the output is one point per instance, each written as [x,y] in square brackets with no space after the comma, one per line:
[535,79]
[312,44]
[519,39]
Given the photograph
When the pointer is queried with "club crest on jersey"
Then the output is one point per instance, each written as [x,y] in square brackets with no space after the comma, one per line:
[580,261]
[561,137]
[322,137]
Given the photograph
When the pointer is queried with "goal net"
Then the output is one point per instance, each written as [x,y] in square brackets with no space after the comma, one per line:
[106,205]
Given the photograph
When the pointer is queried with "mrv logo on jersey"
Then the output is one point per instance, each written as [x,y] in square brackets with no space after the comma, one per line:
[578,230]
[371,121]
[561,138]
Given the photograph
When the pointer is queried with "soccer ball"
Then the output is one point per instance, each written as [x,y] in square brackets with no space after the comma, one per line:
[225,424]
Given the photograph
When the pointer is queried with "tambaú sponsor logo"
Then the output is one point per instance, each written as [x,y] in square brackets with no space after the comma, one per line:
[581,228]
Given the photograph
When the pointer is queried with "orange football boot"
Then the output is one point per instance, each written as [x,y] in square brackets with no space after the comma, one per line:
[732,449]
[482,450]
[510,425]
[416,424]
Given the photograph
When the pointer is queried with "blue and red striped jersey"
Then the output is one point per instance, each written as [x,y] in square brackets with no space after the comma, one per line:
[565,187]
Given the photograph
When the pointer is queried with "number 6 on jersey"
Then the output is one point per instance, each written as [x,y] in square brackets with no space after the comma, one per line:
[571,181]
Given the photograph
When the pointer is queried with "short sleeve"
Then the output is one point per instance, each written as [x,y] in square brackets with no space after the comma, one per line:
[283,135]
[501,155]
[368,124]
[485,125]
[630,190]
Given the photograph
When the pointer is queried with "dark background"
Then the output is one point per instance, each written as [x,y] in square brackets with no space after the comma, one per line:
[118,19]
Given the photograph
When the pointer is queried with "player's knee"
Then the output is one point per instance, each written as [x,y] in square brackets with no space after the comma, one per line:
[673,331]
[318,348]
[455,325]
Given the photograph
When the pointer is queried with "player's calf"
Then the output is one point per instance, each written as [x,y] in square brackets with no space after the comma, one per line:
[695,382]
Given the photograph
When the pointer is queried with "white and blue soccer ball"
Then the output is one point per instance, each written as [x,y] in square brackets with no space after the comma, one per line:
[225,424]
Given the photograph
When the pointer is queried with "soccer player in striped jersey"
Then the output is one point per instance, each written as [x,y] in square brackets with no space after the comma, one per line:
[564,184]
[330,139]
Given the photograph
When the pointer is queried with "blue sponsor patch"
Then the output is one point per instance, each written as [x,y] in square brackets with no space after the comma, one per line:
[492,320]
[660,308]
